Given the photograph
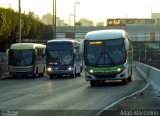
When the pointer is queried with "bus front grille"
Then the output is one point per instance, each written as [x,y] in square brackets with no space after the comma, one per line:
[106,76]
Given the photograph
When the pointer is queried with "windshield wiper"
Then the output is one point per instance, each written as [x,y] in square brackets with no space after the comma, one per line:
[110,58]
[101,54]
[104,59]
[26,64]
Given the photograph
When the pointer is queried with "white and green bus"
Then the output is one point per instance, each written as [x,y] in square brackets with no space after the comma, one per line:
[26,59]
[107,56]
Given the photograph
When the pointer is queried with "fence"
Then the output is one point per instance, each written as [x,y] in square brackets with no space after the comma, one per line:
[150,74]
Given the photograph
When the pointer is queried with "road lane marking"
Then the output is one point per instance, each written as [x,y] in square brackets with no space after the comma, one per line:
[114,103]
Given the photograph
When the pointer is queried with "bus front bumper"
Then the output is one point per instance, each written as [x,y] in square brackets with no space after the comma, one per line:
[106,75]
[67,71]
[21,73]
[21,70]
[62,72]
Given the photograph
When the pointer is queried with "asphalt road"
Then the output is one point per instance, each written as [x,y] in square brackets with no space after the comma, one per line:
[62,96]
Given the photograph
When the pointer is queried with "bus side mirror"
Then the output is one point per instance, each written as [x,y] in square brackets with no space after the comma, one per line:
[126,44]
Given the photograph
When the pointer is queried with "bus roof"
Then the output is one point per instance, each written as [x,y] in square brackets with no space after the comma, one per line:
[62,39]
[22,46]
[105,34]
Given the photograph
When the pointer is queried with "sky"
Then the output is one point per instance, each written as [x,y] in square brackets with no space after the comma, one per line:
[95,10]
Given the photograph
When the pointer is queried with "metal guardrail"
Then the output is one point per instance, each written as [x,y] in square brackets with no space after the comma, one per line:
[149,73]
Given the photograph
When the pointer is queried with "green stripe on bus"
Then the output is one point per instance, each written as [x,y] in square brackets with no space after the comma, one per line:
[111,68]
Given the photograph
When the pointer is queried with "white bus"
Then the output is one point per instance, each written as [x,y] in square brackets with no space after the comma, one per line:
[26,59]
[63,57]
[107,56]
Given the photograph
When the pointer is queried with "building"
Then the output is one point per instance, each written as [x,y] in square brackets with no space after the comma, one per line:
[156,16]
[100,24]
[130,21]
[48,20]
[85,22]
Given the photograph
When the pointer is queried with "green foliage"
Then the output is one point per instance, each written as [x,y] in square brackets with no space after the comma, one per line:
[5,24]
[25,25]
[30,27]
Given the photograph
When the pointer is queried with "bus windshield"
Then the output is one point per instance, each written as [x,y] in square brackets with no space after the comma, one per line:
[59,46]
[106,52]
[21,57]
[60,57]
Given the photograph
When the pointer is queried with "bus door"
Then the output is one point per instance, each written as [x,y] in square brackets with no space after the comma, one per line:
[78,62]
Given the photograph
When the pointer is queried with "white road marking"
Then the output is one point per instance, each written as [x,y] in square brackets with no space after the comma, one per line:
[111,105]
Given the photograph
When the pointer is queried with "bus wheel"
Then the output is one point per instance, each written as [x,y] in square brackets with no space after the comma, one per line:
[44,70]
[13,76]
[42,74]
[79,74]
[36,74]
[129,79]
[74,74]
[51,76]
[124,81]
[93,83]
[81,69]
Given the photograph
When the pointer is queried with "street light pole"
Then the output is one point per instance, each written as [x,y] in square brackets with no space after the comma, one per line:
[54,17]
[75,14]
[69,23]
[19,4]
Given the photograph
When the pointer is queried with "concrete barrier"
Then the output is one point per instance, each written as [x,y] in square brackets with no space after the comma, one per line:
[150,74]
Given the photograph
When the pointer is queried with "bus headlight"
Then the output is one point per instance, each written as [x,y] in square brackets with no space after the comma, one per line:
[119,69]
[91,71]
[69,68]
[49,69]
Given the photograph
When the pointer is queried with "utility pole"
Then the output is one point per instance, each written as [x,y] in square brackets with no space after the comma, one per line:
[19,4]
[54,17]
[75,16]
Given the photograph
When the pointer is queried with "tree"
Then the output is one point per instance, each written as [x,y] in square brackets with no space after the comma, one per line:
[31,28]
[4,25]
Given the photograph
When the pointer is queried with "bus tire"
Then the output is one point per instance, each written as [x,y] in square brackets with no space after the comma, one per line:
[13,76]
[42,74]
[81,69]
[51,76]
[79,74]
[36,74]
[74,74]
[93,83]
[129,79]
[124,81]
